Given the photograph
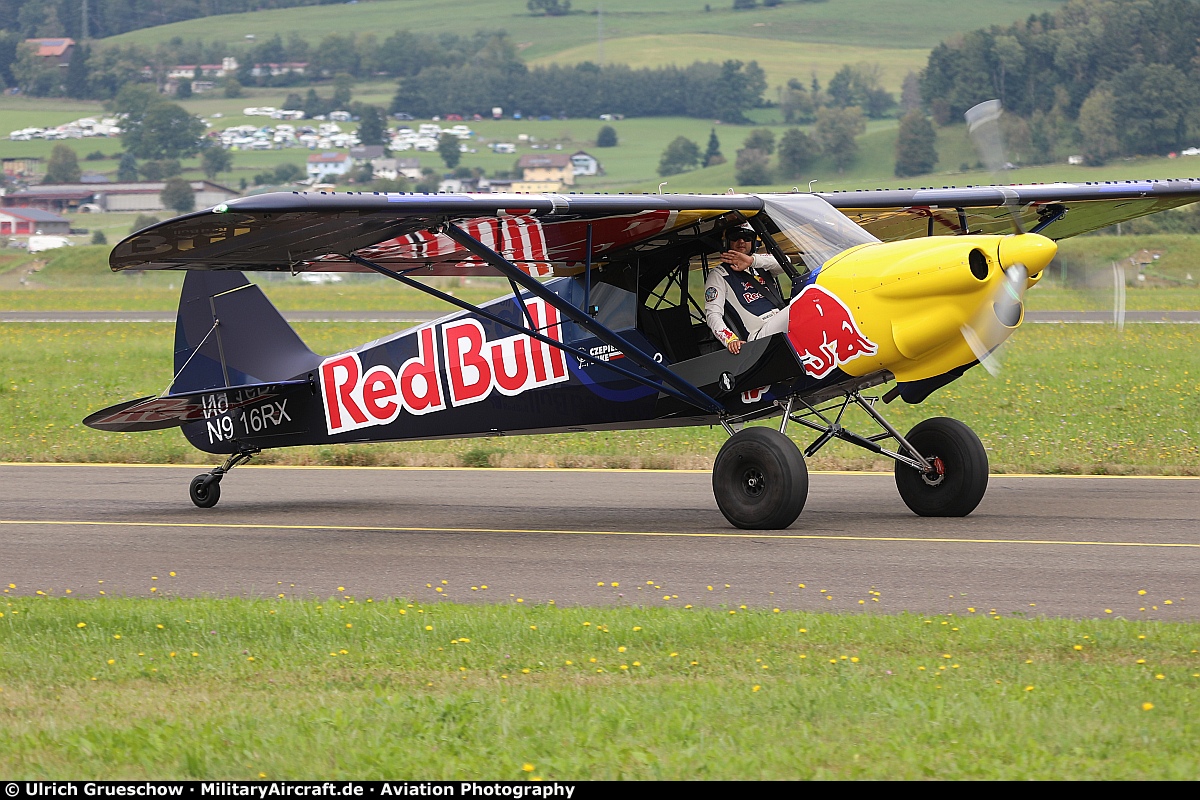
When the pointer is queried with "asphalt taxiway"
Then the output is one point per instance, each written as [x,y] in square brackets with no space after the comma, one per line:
[1063,546]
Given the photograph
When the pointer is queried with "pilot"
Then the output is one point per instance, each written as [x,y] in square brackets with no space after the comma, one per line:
[744,284]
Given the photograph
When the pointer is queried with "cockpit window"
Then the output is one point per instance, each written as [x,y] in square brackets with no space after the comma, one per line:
[813,228]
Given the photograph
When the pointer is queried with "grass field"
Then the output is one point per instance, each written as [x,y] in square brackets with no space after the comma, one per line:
[631,166]
[868,23]
[1072,399]
[781,60]
[355,687]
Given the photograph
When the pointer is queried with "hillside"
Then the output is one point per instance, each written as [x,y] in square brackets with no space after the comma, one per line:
[917,25]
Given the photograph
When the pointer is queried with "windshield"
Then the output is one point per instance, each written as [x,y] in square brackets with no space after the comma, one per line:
[816,230]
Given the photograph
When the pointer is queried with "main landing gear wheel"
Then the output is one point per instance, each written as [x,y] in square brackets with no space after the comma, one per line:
[760,479]
[205,490]
[960,470]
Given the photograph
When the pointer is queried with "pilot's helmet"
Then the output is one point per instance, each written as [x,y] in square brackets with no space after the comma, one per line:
[743,232]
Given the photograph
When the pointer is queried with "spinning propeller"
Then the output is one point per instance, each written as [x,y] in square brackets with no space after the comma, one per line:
[995,320]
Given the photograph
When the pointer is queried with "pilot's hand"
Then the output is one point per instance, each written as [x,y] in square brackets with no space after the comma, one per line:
[735,346]
[737,260]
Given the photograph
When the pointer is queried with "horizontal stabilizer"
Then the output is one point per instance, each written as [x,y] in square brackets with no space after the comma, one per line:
[173,410]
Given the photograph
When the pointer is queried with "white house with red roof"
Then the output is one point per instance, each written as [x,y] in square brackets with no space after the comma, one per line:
[326,165]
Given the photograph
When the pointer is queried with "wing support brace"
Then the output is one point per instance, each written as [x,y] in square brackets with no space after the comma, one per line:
[684,390]
[535,334]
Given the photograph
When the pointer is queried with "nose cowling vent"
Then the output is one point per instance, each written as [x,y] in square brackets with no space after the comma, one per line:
[978,263]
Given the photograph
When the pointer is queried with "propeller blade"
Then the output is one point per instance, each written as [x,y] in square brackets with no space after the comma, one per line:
[996,319]
[983,126]
[1118,295]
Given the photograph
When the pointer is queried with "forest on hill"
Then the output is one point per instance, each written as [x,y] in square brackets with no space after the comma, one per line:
[1109,77]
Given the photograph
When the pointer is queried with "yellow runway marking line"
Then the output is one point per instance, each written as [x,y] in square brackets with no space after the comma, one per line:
[567,470]
[652,534]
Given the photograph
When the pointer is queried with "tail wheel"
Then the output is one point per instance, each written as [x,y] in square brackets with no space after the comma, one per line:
[204,491]
[958,480]
[760,479]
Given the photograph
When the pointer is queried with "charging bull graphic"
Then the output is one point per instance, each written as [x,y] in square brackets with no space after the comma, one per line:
[823,333]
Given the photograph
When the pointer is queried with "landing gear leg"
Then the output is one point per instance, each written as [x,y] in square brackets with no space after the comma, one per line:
[941,466]
[205,488]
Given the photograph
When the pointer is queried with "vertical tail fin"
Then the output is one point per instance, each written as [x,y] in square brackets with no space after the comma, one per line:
[227,333]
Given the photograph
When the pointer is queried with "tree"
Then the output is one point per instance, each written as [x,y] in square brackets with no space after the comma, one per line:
[184,90]
[836,129]
[178,196]
[753,168]
[796,102]
[160,170]
[448,150]
[797,151]
[127,169]
[681,155]
[1153,103]
[712,153]
[372,126]
[916,153]
[607,137]
[63,166]
[77,72]
[1098,127]
[143,221]
[98,237]
[233,87]
[549,8]
[760,139]
[215,160]
[154,128]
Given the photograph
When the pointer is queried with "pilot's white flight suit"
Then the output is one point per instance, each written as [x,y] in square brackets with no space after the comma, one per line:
[745,293]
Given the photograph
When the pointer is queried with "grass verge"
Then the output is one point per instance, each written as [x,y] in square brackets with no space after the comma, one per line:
[1074,399]
[288,688]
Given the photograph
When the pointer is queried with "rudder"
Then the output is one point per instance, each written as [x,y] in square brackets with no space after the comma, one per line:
[227,333]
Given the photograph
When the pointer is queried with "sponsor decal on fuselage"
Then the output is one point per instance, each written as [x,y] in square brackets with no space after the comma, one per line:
[457,368]
[823,333]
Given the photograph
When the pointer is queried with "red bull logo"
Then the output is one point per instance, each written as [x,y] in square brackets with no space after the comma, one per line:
[465,369]
[822,332]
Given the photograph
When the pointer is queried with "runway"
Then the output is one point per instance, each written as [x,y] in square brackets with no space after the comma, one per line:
[1058,546]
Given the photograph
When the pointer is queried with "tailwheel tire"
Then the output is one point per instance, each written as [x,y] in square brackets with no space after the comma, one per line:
[760,479]
[959,478]
[202,495]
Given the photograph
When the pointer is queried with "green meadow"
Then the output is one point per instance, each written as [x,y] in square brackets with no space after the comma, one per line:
[919,24]
[353,687]
[1074,399]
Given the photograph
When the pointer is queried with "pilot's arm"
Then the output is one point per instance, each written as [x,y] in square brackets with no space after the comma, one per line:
[714,309]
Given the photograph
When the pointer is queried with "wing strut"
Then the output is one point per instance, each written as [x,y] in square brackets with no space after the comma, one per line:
[401,277]
[580,317]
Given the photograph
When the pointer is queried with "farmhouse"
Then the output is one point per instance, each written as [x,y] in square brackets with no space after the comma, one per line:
[585,164]
[323,165]
[53,51]
[549,168]
[140,196]
[31,221]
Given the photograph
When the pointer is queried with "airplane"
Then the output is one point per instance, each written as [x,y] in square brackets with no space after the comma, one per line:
[602,329]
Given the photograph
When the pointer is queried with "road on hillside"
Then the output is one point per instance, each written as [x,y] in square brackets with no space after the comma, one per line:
[1036,545]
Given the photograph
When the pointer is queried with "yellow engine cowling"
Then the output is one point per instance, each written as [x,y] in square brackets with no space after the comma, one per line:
[912,298]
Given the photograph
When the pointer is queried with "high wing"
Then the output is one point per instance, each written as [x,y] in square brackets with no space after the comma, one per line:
[544,235]
[1055,210]
[548,235]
